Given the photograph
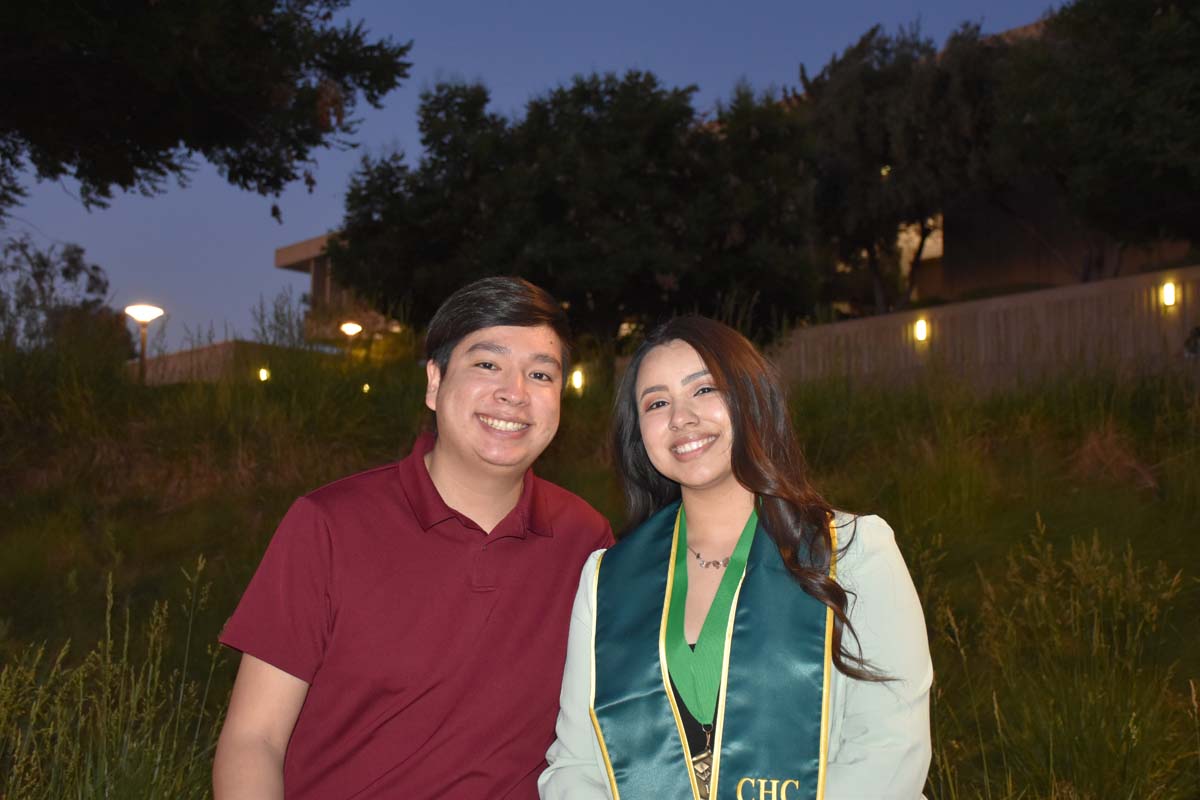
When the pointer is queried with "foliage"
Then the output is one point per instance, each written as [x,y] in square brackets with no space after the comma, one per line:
[122,722]
[1105,103]
[1080,613]
[901,133]
[36,286]
[611,192]
[122,97]
[852,97]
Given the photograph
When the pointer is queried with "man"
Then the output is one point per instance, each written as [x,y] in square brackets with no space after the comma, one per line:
[405,634]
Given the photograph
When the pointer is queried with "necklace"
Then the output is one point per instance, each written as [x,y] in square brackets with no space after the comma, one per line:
[717,563]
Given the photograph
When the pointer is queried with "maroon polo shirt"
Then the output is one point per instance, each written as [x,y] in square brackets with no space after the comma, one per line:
[433,651]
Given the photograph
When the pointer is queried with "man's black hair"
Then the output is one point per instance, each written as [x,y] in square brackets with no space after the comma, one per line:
[491,302]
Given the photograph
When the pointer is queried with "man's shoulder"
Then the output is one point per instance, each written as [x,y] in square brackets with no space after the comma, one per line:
[353,490]
[560,503]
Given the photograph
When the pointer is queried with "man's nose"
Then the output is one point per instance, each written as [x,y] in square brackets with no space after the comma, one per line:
[514,390]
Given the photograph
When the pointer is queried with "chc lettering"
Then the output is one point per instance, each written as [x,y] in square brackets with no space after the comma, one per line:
[764,788]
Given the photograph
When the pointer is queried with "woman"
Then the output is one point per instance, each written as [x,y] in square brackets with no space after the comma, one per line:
[743,640]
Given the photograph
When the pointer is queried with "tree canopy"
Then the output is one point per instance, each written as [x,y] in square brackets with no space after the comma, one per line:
[611,192]
[1106,102]
[628,204]
[123,96]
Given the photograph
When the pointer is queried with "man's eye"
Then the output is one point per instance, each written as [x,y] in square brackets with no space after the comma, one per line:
[485,365]
[542,376]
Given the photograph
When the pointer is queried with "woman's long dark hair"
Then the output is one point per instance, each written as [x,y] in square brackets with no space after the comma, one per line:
[766,459]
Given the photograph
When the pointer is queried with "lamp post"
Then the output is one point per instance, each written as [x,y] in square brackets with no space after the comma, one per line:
[143,314]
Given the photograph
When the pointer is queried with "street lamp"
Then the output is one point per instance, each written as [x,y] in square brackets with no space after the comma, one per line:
[143,314]
[350,328]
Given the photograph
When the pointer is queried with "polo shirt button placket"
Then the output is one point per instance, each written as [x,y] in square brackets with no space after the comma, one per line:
[483,571]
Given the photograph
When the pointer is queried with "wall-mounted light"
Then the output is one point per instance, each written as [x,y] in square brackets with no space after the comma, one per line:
[1168,293]
[366,388]
[921,330]
[350,328]
[264,374]
[577,380]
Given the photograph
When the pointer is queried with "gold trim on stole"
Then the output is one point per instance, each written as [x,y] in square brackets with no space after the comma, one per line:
[719,732]
[612,778]
[824,756]
[662,657]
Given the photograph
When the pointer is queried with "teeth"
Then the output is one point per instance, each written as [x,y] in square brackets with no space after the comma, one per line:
[503,425]
[692,446]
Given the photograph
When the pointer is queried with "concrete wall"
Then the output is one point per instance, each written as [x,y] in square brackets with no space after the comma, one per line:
[234,359]
[1116,324]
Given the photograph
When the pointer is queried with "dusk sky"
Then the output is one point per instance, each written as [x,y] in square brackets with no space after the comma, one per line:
[205,252]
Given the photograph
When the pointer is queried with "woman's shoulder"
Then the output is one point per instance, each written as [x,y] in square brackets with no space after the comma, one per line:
[865,544]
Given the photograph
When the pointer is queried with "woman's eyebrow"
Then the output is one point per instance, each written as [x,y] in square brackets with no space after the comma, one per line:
[661,388]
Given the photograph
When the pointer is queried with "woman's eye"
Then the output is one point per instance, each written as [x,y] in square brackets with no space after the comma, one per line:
[705,390]
[656,404]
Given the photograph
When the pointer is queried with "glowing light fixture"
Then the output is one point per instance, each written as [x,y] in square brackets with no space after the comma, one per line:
[921,330]
[1168,293]
[143,314]
[264,374]
[577,380]
[885,170]
[366,388]
[350,328]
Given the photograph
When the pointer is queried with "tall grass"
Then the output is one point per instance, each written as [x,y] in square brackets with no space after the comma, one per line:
[123,722]
[1058,685]
[1034,523]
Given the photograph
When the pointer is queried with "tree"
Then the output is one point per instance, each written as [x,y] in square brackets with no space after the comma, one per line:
[53,299]
[410,237]
[863,196]
[123,96]
[603,184]
[586,195]
[941,127]
[758,269]
[1106,102]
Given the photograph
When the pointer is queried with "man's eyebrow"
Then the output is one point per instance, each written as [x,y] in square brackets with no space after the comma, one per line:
[546,358]
[661,388]
[502,350]
[489,347]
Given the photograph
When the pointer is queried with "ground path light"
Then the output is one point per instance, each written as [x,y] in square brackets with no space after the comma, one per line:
[143,314]
[1168,293]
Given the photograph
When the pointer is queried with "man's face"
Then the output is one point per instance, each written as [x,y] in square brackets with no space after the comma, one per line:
[497,403]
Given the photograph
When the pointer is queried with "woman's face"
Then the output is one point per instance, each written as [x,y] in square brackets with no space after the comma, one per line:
[683,418]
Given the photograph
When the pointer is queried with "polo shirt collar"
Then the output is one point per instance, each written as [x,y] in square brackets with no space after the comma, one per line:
[529,515]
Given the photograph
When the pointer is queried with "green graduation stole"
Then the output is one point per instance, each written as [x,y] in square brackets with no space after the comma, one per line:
[771,729]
